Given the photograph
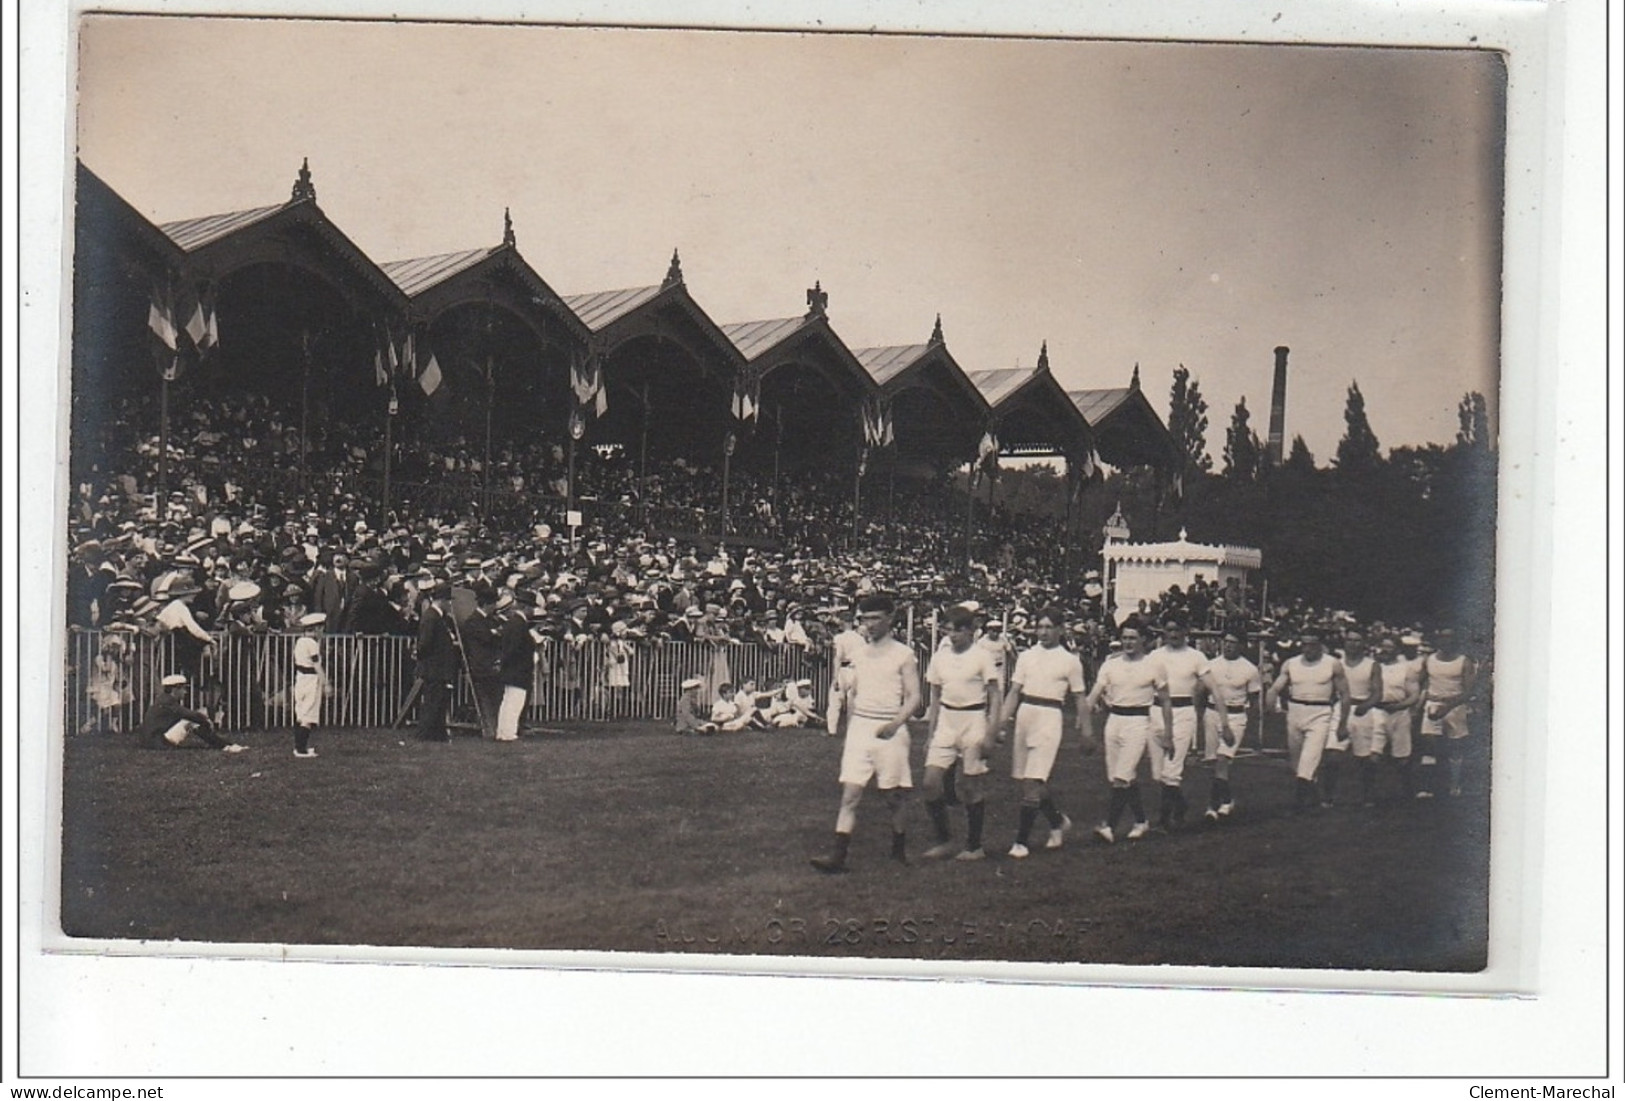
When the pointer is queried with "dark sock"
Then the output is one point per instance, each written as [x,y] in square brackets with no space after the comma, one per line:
[1368,780]
[842,842]
[973,830]
[899,845]
[1165,805]
[1052,813]
[1178,795]
[1328,777]
[301,738]
[1407,778]
[950,785]
[1135,806]
[1308,795]
[1119,801]
[939,818]
[1221,793]
[1029,815]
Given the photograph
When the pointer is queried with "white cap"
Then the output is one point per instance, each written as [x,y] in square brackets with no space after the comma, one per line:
[174,680]
[693,682]
[313,619]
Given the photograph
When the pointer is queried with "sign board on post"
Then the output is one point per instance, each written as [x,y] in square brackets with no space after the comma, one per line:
[572,518]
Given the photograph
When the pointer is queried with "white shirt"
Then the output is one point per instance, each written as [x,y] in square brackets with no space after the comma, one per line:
[1398,680]
[1131,681]
[1236,680]
[306,652]
[1048,673]
[878,683]
[1183,668]
[176,616]
[847,644]
[963,677]
[1311,682]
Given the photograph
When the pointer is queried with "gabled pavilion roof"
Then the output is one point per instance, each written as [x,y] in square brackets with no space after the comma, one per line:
[419,274]
[599,309]
[194,233]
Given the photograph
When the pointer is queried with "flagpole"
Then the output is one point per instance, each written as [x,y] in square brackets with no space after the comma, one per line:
[389,449]
[304,407]
[727,468]
[163,440]
[485,471]
[643,462]
[857,495]
[970,508]
[778,444]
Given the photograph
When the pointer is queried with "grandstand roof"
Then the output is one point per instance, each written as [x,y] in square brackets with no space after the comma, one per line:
[418,275]
[1000,382]
[1095,405]
[1129,431]
[1032,412]
[885,364]
[598,309]
[752,338]
[193,233]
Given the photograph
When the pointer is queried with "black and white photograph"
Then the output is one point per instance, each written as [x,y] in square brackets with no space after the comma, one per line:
[943,504]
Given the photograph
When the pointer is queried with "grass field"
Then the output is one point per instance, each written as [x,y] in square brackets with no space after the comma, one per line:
[629,838]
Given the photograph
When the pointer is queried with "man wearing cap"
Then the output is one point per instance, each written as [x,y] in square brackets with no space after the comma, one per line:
[516,660]
[1316,697]
[167,723]
[1232,703]
[480,634]
[1129,686]
[437,663]
[309,682]
[1447,681]
[882,689]
[1045,677]
[1186,670]
[965,690]
[689,719]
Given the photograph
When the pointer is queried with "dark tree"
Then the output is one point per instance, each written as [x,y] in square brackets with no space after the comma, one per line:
[1243,451]
[1358,451]
[1300,457]
[1187,422]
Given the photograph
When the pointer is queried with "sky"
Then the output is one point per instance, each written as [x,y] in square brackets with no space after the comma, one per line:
[1128,203]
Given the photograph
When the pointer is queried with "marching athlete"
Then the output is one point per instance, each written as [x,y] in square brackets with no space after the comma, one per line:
[1231,707]
[883,690]
[1129,685]
[1185,669]
[1401,688]
[1045,675]
[845,645]
[1365,721]
[1312,688]
[1447,681]
[965,690]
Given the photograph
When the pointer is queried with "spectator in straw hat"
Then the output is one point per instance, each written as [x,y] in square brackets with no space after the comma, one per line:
[689,719]
[168,723]
[309,682]
[436,662]
[516,660]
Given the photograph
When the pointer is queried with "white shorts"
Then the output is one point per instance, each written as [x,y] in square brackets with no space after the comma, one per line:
[1309,726]
[1453,725]
[1127,739]
[958,734]
[1394,733]
[1037,741]
[865,756]
[1169,768]
[1366,733]
[1214,739]
[307,699]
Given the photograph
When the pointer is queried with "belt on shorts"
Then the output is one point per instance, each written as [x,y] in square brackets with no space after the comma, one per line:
[1236,709]
[1393,707]
[1141,711]
[305,669]
[965,707]
[1039,701]
[1311,703]
[1181,701]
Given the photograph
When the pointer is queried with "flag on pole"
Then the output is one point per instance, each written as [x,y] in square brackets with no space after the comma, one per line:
[430,379]
[744,399]
[197,324]
[161,320]
[172,368]
[379,373]
[587,382]
[987,455]
[577,426]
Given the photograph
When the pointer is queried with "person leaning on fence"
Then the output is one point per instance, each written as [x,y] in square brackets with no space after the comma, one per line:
[689,720]
[168,724]
[517,661]
[309,682]
[437,663]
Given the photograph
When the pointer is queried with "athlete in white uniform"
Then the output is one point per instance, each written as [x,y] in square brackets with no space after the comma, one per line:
[845,644]
[883,691]
[1129,684]
[1401,688]
[1236,687]
[309,682]
[1185,669]
[964,686]
[1365,721]
[1447,681]
[1043,679]
[1312,688]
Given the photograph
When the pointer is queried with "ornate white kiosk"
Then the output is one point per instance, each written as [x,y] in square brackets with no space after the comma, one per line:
[1144,571]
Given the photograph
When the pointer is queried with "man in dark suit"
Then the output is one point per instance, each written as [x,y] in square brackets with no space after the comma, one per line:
[335,590]
[517,661]
[437,663]
[481,637]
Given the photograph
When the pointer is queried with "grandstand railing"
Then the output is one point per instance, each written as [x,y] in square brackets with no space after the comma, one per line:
[372,675]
